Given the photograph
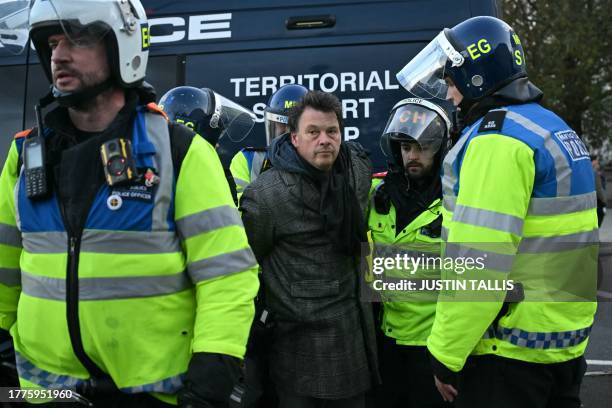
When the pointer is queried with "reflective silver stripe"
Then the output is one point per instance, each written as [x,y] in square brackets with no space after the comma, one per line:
[256,164]
[208,220]
[240,183]
[157,132]
[16,199]
[562,167]
[489,219]
[129,242]
[449,202]
[449,178]
[444,234]
[562,205]
[559,243]
[225,264]
[105,288]
[45,379]
[491,260]
[50,242]
[10,277]
[10,235]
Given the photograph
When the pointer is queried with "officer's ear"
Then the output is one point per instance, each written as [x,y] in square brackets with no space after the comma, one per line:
[294,139]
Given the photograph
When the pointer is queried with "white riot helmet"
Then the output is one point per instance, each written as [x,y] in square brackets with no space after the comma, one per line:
[121,23]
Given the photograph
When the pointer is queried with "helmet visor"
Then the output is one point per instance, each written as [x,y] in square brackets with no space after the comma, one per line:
[14,27]
[83,22]
[276,125]
[424,75]
[234,120]
[412,123]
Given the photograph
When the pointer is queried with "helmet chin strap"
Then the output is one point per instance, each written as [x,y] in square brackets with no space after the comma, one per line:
[81,97]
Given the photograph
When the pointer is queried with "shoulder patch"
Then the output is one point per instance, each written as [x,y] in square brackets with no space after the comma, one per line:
[573,145]
[493,120]
[380,175]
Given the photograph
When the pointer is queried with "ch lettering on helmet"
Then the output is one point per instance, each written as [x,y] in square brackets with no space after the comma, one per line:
[146,36]
[414,117]
[478,48]
[290,104]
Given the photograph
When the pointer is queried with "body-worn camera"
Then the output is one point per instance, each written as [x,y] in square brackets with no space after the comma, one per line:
[118,163]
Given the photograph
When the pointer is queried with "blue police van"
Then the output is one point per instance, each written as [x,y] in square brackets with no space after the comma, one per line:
[245,50]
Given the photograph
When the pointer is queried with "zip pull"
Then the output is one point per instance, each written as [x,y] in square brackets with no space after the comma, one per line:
[72,245]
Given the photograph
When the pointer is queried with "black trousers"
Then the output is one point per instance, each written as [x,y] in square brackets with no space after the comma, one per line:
[492,381]
[407,377]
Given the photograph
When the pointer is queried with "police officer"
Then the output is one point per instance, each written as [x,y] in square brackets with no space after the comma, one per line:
[405,218]
[249,162]
[518,196]
[210,115]
[125,274]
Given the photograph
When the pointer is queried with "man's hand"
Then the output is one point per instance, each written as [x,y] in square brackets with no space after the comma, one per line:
[447,391]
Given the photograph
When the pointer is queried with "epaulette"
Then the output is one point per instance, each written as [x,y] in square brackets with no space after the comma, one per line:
[255,149]
[23,133]
[380,175]
[493,121]
[153,107]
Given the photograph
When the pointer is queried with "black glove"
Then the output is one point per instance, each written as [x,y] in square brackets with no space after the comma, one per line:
[209,381]
[8,370]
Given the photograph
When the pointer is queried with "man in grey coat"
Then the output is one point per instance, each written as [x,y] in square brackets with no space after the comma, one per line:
[305,222]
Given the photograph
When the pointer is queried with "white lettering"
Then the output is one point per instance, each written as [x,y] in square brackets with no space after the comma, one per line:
[346,79]
[349,105]
[252,86]
[388,84]
[351,133]
[268,83]
[286,79]
[366,106]
[258,110]
[334,86]
[236,82]
[199,28]
[374,81]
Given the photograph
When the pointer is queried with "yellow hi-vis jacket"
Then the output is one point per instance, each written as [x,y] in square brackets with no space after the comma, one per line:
[158,279]
[518,194]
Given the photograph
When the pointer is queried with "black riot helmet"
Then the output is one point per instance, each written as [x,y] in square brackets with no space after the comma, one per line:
[208,113]
[480,55]
[418,121]
[277,110]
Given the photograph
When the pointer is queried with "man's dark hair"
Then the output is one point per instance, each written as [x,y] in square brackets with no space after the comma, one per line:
[317,100]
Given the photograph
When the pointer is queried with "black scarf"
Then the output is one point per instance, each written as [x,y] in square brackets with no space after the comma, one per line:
[341,215]
[410,199]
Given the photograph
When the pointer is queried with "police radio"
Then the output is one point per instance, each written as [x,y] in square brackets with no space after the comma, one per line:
[118,163]
[34,162]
